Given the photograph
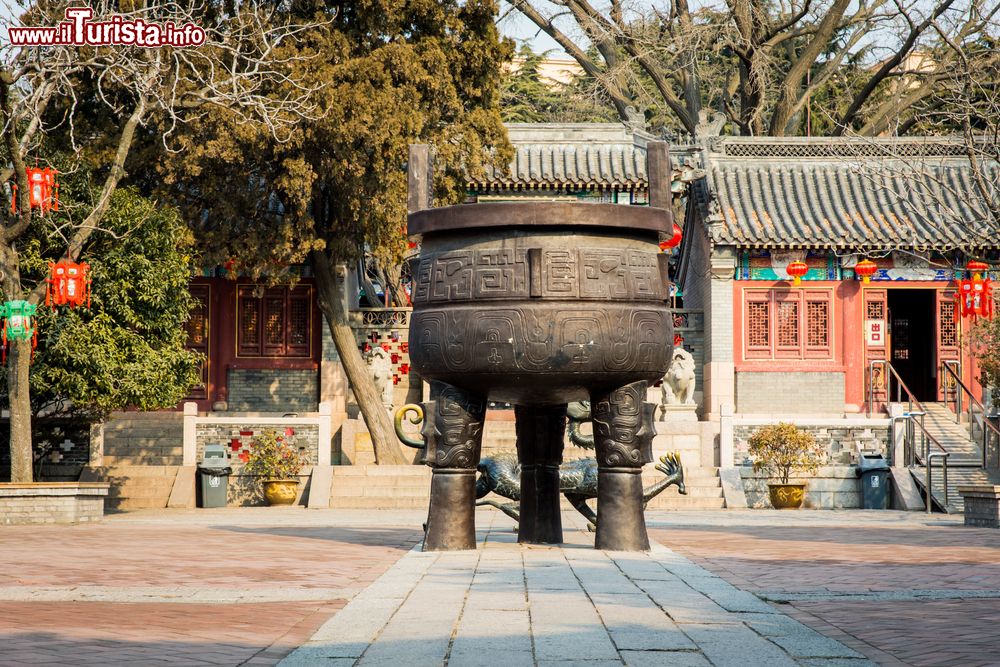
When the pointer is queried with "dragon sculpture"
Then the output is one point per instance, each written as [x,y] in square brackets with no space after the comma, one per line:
[501,473]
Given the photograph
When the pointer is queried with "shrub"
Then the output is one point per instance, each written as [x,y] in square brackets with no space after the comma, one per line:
[270,457]
[778,448]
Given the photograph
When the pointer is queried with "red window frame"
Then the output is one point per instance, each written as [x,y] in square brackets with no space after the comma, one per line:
[275,323]
[798,342]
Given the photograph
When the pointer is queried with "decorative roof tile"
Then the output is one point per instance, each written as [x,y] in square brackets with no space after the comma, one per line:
[844,193]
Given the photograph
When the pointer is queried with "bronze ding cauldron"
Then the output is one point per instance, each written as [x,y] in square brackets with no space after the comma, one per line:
[539,304]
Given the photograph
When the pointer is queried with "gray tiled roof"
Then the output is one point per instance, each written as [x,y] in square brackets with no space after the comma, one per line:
[573,155]
[791,195]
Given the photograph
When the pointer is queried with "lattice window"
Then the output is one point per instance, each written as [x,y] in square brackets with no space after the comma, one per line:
[788,324]
[197,324]
[274,321]
[277,324]
[949,330]
[876,310]
[249,323]
[759,324]
[198,336]
[298,321]
[817,324]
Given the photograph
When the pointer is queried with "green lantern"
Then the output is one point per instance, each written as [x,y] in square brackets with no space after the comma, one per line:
[19,322]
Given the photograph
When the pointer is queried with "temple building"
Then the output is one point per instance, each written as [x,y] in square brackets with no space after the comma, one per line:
[837,356]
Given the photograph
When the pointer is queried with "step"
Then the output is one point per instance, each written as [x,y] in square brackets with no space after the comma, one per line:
[382,471]
[377,503]
[140,492]
[134,503]
[143,461]
[381,491]
[686,503]
[137,471]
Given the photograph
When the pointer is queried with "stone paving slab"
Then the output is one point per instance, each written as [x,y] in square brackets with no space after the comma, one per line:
[903,588]
[510,604]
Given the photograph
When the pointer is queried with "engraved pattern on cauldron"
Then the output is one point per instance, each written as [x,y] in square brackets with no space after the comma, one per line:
[453,426]
[612,338]
[507,273]
[623,427]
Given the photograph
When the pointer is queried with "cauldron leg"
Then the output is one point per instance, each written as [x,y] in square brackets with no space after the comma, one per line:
[623,434]
[453,431]
[540,433]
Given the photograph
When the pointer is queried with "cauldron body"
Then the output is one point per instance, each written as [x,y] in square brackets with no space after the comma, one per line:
[539,304]
[559,301]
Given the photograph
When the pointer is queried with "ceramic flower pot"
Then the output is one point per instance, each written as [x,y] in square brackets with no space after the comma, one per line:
[786,496]
[281,491]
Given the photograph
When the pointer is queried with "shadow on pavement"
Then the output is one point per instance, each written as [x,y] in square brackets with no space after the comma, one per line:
[402,539]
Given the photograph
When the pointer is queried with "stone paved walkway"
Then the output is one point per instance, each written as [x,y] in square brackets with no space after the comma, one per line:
[901,588]
[206,587]
[507,604]
[232,587]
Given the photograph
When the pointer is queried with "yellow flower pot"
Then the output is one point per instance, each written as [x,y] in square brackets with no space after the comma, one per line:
[281,491]
[786,496]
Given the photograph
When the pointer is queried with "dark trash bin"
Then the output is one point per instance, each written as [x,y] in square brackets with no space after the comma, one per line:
[873,470]
[213,475]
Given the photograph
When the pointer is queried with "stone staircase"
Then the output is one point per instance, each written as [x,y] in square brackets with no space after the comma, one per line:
[964,462]
[142,452]
[134,486]
[380,487]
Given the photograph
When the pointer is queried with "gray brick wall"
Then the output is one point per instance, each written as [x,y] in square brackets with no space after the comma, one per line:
[769,393]
[271,390]
[982,512]
[145,438]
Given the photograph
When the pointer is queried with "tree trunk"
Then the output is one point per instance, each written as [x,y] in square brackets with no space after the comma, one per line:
[331,302]
[18,358]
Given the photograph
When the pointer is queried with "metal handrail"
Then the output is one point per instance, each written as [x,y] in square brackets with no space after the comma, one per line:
[891,373]
[988,425]
[926,440]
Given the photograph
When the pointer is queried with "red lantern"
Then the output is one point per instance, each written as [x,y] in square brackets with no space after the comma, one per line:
[68,284]
[975,295]
[866,269]
[797,269]
[43,190]
[977,268]
[674,240]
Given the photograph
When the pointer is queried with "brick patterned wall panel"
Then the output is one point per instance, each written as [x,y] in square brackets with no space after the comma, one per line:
[63,444]
[273,390]
[768,393]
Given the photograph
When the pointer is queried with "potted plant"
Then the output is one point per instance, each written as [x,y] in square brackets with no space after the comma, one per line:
[777,450]
[276,464]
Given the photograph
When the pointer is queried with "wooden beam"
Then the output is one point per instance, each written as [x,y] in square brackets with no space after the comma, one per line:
[419,178]
[660,174]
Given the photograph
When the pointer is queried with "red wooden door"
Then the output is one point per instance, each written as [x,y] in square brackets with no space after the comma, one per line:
[875,330]
[948,349]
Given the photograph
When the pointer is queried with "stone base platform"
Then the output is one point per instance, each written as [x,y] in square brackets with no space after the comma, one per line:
[513,605]
[982,505]
[52,502]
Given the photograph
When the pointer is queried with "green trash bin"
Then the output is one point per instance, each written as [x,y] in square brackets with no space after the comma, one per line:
[213,473]
[874,473]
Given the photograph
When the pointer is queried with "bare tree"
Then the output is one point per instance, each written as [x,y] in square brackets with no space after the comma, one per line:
[239,66]
[764,65]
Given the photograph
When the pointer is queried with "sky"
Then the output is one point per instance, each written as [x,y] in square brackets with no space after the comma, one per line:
[513,24]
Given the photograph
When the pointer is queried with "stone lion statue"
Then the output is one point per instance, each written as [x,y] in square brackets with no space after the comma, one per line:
[381,369]
[678,383]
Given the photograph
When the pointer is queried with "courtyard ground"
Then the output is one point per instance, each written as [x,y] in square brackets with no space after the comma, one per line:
[247,586]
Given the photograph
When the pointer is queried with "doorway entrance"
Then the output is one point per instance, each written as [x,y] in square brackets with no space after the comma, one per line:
[912,328]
